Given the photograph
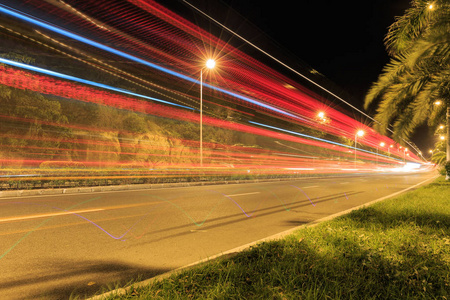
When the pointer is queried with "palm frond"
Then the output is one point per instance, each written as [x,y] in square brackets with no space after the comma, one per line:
[439,158]
[389,76]
[408,28]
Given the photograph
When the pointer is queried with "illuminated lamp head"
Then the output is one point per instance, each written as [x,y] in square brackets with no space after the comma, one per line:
[210,63]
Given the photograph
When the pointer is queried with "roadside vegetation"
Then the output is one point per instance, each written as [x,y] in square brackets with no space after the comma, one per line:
[395,249]
[414,87]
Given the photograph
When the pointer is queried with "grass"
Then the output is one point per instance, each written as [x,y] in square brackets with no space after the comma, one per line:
[395,249]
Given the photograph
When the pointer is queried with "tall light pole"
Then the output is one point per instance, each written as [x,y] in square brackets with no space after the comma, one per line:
[381,145]
[439,102]
[210,64]
[358,133]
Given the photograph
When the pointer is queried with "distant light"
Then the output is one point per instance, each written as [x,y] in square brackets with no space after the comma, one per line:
[360,132]
[210,63]
[382,144]
[439,102]
[321,115]
[430,6]
[411,166]
[441,127]
[442,137]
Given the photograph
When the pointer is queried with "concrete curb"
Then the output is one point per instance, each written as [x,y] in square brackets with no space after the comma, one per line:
[134,187]
[123,291]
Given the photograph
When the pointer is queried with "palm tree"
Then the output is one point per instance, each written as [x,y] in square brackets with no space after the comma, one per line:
[414,86]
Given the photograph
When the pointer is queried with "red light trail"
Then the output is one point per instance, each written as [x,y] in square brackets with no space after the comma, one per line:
[255,118]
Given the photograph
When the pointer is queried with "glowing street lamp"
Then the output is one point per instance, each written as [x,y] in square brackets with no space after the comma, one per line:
[210,64]
[381,145]
[321,115]
[359,133]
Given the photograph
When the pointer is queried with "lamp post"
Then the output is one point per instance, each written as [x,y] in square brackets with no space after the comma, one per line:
[381,145]
[210,64]
[439,102]
[358,133]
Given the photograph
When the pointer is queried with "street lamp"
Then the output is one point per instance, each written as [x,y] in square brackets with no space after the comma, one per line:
[210,64]
[381,145]
[358,133]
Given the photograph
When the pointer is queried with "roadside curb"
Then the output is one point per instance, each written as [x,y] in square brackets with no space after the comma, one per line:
[123,291]
[133,187]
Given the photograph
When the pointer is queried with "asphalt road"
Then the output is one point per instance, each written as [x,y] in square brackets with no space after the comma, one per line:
[53,246]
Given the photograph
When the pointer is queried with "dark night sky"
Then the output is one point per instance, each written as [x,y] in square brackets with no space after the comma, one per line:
[343,40]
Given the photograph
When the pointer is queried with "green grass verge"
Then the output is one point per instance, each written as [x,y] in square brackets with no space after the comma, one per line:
[395,249]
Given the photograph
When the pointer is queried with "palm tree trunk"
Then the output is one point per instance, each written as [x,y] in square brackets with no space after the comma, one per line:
[447,177]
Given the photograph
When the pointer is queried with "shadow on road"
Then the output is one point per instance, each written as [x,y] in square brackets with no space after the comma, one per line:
[240,217]
[351,258]
[74,278]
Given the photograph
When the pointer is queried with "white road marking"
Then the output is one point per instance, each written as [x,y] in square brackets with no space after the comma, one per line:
[50,215]
[236,195]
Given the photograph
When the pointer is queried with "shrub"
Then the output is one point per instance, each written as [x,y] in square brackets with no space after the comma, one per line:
[447,169]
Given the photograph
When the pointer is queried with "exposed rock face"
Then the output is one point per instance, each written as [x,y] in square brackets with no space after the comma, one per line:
[115,149]
[95,148]
[146,149]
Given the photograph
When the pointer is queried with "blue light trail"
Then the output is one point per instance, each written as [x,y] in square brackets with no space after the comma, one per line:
[32,20]
[84,81]
[318,139]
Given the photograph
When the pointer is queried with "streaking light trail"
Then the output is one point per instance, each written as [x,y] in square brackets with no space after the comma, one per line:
[83,81]
[113,96]
[314,138]
[68,34]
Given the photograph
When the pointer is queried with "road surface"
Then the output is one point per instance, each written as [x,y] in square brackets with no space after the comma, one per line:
[53,246]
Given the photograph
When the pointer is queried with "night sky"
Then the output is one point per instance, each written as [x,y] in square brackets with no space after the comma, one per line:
[343,40]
